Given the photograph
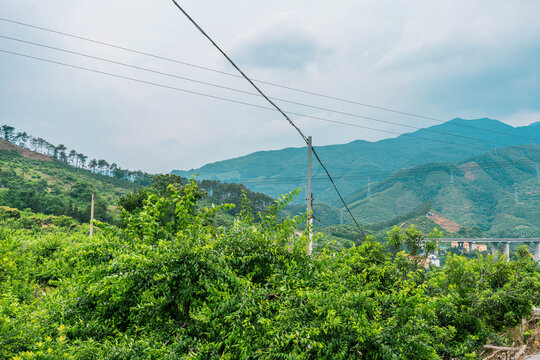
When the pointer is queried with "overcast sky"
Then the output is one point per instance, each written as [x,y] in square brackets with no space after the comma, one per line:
[443,59]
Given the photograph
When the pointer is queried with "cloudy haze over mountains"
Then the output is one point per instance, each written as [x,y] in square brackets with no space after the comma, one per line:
[442,59]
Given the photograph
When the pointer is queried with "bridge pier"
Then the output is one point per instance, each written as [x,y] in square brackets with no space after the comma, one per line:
[495,251]
[495,244]
[507,251]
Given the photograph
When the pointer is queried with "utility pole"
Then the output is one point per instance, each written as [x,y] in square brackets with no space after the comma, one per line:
[516,194]
[452,177]
[92,217]
[309,200]
[341,211]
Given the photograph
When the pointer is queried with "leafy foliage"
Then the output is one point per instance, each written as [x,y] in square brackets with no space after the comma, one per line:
[181,287]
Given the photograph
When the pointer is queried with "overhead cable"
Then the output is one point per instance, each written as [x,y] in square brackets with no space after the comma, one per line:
[251,93]
[277,107]
[392,174]
[382,108]
[466,145]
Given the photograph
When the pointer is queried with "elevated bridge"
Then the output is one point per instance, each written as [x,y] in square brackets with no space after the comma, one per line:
[496,244]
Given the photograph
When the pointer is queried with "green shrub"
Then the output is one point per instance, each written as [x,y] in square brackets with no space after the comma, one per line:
[9,213]
[31,222]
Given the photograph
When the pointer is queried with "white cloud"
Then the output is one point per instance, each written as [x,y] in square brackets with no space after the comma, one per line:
[443,59]
[282,41]
[522,118]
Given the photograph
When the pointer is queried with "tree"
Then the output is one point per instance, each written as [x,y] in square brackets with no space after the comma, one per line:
[60,153]
[49,147]
[21,138]
[7,132]
[93,165]
[34,144]
[102,165]
[82,160]
[119,173]
[414,242]
[73,158]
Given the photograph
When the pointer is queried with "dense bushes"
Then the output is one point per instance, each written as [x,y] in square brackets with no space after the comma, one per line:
[9,213]
[180,287]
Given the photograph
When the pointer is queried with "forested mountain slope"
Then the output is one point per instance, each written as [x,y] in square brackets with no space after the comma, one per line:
[30,180]
[356,163]
[43,184]
[499,192]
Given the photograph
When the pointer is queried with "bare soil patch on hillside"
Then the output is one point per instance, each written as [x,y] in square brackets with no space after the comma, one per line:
[446,224]
[5,145]
[471,170]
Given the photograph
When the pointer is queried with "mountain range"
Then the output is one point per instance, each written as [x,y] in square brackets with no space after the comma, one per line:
[477,174]
[360,162]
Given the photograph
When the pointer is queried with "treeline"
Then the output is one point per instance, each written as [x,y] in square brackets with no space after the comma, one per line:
[221,193]
[209,192]
[50,189]
[72,157]
[422,209]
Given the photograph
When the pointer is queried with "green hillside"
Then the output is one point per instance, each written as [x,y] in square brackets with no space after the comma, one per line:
[498,192]
[355,163]
[42,184]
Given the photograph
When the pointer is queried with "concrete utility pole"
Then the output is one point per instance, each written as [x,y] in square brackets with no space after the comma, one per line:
[452,177]
[309,199]
[92,217]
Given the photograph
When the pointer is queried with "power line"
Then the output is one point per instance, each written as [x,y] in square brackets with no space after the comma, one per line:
[250,93]
[135,80]
[261,81]
[396,174]
[277,107]
[248,104]
[230,100]
[416,170]
[242,73]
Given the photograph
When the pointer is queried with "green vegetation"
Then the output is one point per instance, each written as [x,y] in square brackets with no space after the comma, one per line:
[348,235]
[22,143]
[209,193]
[179,286]
[497,193]
[353,164]
[55,188]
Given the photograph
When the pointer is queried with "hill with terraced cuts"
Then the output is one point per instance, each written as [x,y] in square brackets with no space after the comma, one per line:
[497,192]
[356,163]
